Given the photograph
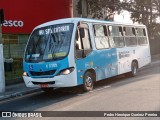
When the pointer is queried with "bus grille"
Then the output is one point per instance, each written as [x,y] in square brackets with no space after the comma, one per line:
[37,83]
[51,72]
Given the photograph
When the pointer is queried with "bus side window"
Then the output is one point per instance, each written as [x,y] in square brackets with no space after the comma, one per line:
[105,31]
[85,38]
[120,31]
[141,36]
[77,40]
[124,31]
[101,36]
[130,36]
[116,36]
[77,35]
[144,32]
[83,43]
[134,31]
[78,46]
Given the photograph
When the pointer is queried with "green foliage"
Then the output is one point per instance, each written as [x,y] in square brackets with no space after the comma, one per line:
[145,12]
[142,11]
[100,8]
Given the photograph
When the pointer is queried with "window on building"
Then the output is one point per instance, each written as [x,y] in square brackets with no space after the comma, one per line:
[13,48]
[14,45]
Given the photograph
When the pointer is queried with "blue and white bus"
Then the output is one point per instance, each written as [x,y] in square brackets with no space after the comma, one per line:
[76,51]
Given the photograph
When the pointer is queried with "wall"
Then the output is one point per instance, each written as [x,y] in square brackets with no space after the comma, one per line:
[21,16]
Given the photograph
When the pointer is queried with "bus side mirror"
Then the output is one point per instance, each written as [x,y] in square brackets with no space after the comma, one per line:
[1,16]
[82,32]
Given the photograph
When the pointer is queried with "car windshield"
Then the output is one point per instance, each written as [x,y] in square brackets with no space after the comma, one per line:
[49,43]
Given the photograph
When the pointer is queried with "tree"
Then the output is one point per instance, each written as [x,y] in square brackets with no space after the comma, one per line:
[145,12]
[100,8]
[142,11]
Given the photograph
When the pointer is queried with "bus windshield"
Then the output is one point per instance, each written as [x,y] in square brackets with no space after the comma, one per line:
[49,43]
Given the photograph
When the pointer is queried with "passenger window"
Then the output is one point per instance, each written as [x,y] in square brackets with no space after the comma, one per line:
[113,30]
[142,41]
[129,31]
[99,30]
[116,36]
[141,35]
[101,38]
[140,32]
[130,36]
[144,32]
[121,31]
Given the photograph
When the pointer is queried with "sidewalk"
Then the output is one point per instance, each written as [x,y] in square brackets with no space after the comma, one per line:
[16,90]
[155,58]
[20,89]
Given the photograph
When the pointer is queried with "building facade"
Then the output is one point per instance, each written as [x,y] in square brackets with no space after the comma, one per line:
[21,16]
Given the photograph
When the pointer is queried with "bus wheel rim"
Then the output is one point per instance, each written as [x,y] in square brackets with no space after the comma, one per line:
[134,70]
[88,82]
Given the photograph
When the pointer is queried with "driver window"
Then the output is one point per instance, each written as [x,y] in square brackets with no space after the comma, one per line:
[83,44]
[86,40]
[78,41]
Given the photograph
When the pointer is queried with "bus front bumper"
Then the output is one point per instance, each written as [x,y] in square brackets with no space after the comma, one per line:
[57,81]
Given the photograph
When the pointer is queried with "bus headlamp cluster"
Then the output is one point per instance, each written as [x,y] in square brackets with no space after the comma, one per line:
[66,71]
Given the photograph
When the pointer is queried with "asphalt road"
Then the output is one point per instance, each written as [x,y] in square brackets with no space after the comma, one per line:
[140,93]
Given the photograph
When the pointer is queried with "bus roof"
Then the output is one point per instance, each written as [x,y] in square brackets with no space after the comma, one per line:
[76,20]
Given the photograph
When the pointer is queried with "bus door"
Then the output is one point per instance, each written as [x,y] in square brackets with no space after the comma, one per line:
[83,51]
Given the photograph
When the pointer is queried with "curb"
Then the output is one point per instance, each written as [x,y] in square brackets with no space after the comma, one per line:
[18,94]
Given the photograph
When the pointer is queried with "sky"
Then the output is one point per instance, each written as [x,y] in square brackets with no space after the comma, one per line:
[124,17]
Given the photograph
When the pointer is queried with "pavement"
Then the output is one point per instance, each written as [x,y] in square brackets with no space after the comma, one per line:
[19,89]
[16,90]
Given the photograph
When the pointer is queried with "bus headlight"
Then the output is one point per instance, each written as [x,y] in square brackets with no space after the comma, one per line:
[25,74]
[66,71]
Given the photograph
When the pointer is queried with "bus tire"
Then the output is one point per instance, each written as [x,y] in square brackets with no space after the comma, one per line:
[134,69]
[88,82]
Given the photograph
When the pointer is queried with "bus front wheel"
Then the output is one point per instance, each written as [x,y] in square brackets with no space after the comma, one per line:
[88,81]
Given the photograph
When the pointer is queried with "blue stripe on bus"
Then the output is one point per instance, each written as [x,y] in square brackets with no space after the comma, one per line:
[104,62]
[46,66]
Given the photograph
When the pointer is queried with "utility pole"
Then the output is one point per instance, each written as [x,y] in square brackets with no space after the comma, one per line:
[2,78]
[84,8]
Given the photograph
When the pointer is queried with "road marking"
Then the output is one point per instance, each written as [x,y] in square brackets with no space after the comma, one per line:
[95,90]
[101,88]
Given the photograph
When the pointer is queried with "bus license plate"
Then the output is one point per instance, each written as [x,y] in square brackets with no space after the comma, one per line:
[44,85]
